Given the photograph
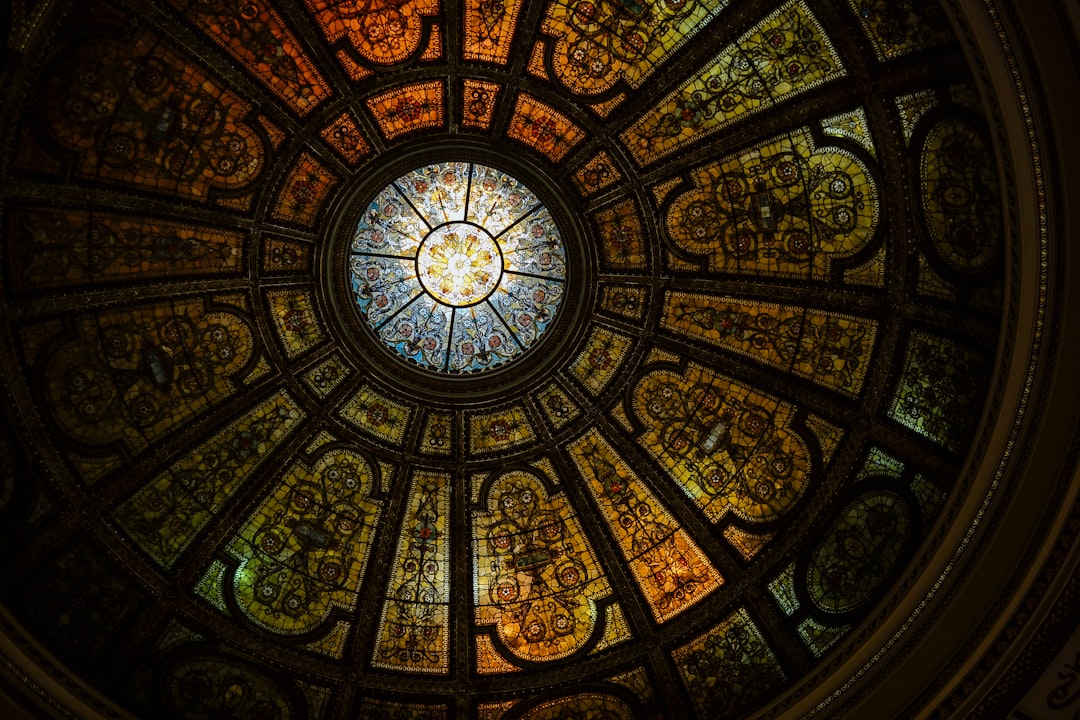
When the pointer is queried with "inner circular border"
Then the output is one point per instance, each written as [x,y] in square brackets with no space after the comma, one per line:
[491,239]
[367,353]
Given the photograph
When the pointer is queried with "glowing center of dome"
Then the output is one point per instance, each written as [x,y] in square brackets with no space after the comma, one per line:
[459,264]
[457,267]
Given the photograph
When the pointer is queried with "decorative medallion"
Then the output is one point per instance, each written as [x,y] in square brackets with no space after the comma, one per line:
[457,267]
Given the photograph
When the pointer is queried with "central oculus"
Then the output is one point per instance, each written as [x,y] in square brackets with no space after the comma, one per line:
[457,267]
[459,264]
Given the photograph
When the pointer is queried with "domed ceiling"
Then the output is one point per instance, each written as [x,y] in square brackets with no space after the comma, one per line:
[597,359]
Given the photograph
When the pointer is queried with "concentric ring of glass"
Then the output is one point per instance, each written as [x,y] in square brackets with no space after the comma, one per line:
[457,267]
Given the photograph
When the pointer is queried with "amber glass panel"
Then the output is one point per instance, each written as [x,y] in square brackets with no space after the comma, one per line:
[58,248]
[583,706]
[543,128]
[383,33]
[784,55]
[597,173]
[304,192]
[827,348]
[147,115]
[602,41]
[489,29]
[409,108]
[622,239]
[535,576]
[670,569]
[726,444]
[253,33]
[783,208]
[479,103]
[414,629]
[134,375]
[344,136]
[305,549]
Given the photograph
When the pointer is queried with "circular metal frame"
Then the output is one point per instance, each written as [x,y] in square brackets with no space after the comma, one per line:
[409,378]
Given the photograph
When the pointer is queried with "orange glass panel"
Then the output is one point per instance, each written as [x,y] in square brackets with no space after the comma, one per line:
[671,570]
[304,192]
[277,135]
[434,49]
[489,29]
[479,103]
[544,129]
[253,33]
[409,108]
[383,33]
[353,69]
[596,174]
[344,136]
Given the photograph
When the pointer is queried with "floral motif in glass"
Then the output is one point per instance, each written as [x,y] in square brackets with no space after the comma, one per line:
[457,267]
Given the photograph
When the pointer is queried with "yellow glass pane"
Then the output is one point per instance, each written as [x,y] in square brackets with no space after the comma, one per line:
[730,668]
[134,375]
[167,514]
[304,550]
[297,326]
[726,444]
[830,349]
[499,430]
[374,412]
[785,55]
[414,629]
[602,42]
[535,578]
[782,208]
[601,357]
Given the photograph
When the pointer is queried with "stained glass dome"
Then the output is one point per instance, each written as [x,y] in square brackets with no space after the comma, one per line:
[578,359]
[457,267]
